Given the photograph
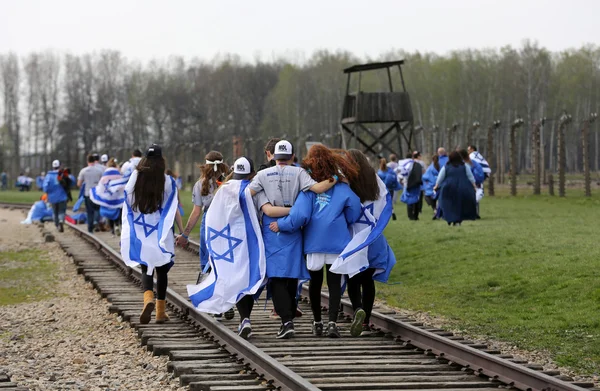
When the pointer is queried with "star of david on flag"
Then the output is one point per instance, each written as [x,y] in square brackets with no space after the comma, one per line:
[364,219]
[225,234]
[148,228]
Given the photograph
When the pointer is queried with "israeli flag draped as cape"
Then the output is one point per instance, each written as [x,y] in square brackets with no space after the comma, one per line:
[476,156]
[107,195]
[236,250]
[147,239]
[369,227]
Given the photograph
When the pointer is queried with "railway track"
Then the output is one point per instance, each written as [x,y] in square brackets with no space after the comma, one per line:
[208,355]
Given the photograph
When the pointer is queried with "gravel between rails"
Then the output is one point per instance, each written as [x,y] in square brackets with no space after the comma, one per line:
[71,342]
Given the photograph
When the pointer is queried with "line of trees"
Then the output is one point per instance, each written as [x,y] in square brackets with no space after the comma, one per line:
[64,106]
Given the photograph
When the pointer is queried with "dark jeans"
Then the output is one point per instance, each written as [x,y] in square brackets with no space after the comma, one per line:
[244,306]
[162,280]
[283,291]
[414,209]
[365,299]
[432,202]
[93,213]
[334,283]
[117,222]
[58,212]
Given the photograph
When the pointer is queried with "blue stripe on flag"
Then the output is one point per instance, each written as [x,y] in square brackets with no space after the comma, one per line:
[135,245]
[252,240]
[164,214]
[384,218]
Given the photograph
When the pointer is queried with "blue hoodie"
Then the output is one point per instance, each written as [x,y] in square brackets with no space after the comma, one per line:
[390,179]
[55,191]
[40,210]
[478,173]
[325,218]
[429,179]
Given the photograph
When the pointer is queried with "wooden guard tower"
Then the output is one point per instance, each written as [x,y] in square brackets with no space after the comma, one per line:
[362,112]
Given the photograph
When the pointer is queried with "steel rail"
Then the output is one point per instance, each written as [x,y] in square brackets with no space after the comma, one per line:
[502,370]
[282,377]
[497,368]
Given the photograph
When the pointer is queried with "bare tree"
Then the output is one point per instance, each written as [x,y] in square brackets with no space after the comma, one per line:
[536,155]
[10,73]
[490,153]
[513,154]
[585,136]
[565,119]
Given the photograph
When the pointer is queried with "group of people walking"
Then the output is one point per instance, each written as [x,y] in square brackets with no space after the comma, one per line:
[452,185]
[275,227]
[268,229]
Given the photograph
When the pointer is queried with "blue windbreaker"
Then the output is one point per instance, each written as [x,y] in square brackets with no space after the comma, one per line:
[325,218]
[55,191]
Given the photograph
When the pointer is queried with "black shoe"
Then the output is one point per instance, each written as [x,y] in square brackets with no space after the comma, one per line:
[286,331]
[61,227]
[394,216]
[478,217]
[229,314]
[366,330]
[317,328]
[333,331]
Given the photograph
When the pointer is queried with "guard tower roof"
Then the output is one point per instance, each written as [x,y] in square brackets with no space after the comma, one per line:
[372,66]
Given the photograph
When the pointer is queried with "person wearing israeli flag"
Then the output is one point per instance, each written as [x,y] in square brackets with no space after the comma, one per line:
[368,256]
[429,179]
[475,156]
[110,198]
[281,185]
[149,211]
[478,174]
[323,220]
[236,249]
[411,173]
[212,173]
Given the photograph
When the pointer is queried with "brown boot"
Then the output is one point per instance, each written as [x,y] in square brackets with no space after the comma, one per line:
[161,315]
[148,307]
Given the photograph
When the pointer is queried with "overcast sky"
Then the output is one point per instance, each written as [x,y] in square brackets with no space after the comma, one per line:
[149,29]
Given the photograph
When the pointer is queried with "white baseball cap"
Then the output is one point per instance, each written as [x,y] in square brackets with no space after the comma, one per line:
[55,164]
[283,150]
[242,168]
[104,158]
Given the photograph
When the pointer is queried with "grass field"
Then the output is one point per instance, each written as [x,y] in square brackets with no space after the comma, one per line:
[527,273]
[25,276]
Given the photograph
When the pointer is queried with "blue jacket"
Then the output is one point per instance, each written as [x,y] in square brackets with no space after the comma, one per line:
[283,251]
[390,179]
[40,210]
[478,173]
[443,160]
[429,179]
[325,218]
[55,191]
[382,258]
[39,182]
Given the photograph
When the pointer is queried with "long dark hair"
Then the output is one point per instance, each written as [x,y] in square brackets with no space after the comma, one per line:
[465,155]
[149,190]
[322,163]
[436,162]
[455,159]
[208,173]
[365,186]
